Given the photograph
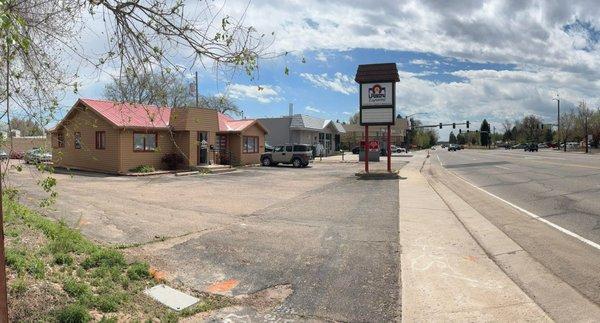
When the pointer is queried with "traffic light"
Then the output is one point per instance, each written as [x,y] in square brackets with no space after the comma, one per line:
[459,130]
[440,125]
[542,126]
[453,125]
[467,124]
[477,131]
[467,130]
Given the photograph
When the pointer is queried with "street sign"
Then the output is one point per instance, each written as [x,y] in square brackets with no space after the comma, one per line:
[373,145]
[377,95]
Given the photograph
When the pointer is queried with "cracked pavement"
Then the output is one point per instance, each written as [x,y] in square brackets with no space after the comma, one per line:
[318,230]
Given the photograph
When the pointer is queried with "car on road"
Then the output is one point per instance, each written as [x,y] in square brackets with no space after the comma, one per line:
[530,147]
[396,149]
[297,155]
[518,146]
[453,147]
[542,145]
[37,155]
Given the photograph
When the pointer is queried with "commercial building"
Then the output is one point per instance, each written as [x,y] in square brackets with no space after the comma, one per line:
[116,137]
[354,133]
[322,134]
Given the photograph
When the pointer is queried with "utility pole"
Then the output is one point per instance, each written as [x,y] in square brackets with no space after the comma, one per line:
[586,134]
[557,99]
[197,105]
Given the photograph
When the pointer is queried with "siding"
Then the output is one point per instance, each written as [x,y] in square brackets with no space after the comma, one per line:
[87,157]
[188,121]
[256,131]
[130,158]
[279,130]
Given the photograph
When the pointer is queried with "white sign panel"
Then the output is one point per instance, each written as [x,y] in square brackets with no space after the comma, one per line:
[376,94]
[377,115]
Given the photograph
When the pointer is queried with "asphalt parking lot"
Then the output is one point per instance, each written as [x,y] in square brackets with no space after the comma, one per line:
[316,230]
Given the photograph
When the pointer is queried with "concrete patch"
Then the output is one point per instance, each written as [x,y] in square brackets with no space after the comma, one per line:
[170,297]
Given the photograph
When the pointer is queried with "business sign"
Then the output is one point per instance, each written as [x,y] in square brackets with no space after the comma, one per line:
[377,94]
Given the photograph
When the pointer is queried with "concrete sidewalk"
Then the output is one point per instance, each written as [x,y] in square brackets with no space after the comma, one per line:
[445,274]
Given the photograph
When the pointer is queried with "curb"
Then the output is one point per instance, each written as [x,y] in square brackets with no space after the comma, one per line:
[557,298]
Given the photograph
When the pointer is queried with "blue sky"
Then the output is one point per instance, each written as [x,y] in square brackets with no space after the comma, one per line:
[458,60]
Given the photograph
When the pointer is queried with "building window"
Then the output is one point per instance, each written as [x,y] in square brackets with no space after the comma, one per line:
[202,135]
[250,145]
[60,140]
[100,139]
[144,141]
[78,140]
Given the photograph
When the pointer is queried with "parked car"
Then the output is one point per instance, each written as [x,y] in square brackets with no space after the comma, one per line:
[453,147]
[268,148]
[356,150]
[297,155]
[530,147]
[3,155]
[37,155]
[397,149]
[17,154]
[383,151]
[518,146]
[542,145]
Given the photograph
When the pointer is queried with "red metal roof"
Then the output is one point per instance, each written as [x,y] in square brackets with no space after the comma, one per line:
[227,123]
[131,115]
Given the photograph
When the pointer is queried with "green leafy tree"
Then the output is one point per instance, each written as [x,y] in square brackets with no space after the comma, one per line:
[452,138]
[484,133]
[460,139]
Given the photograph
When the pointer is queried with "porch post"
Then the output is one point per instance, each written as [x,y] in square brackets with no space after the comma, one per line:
[366,149]
[389,150]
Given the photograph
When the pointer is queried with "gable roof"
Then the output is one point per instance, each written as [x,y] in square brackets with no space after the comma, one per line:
[228,124]
[386,72]
[123,114]
[313,123]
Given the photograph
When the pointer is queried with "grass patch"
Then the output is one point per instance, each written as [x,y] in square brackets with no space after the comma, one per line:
[142,169]
[57,275]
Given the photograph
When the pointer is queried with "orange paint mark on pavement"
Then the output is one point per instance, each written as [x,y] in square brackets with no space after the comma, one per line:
[223,286]
[472,258]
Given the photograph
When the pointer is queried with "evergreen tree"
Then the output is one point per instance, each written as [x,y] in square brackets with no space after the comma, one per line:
[452,138]
[484,133]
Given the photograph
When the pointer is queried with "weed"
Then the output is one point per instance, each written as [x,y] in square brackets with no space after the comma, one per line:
[142,169]
[104,257]
[13,232]
[16,259]
[78,290]
[36,268]
[138,271]
[18,287]
[63,259]
[74,313]
[108,302]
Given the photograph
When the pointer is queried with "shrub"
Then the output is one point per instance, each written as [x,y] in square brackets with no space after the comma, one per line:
[16,260]
[172,160]
[138,270]
[104,257]
[75,313]
[108,302]
[142,169]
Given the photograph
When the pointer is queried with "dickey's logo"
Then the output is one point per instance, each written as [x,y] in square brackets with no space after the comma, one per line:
[377,93]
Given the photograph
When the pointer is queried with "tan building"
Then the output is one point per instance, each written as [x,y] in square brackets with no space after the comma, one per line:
[115,137]
[355,133]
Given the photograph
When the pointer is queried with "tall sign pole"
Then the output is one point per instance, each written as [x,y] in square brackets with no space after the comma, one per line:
[377,98]
[197,105]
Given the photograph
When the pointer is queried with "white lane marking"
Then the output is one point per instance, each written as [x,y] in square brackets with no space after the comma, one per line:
[438,157]
[535,216]
[502,167]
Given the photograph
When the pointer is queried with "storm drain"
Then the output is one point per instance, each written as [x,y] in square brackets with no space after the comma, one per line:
[170,297]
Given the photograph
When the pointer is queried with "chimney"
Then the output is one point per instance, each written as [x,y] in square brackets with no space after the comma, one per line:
[291,107]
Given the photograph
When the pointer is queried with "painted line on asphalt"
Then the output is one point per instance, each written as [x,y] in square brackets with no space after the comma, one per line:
[533,215]
[438,158]
[502,167]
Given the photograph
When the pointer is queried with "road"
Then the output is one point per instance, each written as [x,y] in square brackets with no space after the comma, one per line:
[561,188]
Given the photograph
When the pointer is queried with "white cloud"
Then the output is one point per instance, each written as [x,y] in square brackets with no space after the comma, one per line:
[419,62]
[348,113]
[260,93]
[321,57]
[309,108]
[338,82]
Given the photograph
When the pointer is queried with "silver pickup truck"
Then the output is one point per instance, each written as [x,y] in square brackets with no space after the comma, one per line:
[297,155]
